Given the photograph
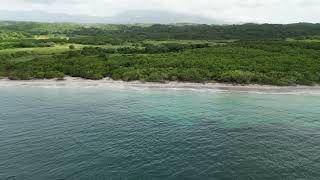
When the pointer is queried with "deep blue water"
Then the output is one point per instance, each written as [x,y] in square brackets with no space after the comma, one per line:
[79,133]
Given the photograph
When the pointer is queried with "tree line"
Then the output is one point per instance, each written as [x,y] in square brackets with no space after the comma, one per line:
[232,63]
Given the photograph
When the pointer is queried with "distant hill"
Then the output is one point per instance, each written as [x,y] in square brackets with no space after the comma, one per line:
[128,17]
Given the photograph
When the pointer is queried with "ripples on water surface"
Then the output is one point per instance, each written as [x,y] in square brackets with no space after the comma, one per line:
[77,133]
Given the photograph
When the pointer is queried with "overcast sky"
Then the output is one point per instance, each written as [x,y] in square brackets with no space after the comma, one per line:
[269,11]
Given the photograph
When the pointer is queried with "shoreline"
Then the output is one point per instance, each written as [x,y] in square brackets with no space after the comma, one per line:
[74,82]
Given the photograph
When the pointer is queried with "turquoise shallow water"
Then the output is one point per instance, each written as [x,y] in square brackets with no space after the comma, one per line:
[79,133]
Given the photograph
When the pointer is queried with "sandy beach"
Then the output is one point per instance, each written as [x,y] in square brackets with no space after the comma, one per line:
[72,82]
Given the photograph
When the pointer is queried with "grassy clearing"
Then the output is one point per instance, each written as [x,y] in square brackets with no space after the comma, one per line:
[311,40]
[39,37]
[57,49]
[154,42]
[24,58]
[43,50]
[303,40]
[210,42]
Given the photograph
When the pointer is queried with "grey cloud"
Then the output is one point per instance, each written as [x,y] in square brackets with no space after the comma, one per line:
[272,11]
[306,3]
[40,1]
[49,2]
[249,4]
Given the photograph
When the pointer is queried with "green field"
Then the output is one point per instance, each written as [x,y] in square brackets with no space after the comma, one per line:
[42,50]
[57,49]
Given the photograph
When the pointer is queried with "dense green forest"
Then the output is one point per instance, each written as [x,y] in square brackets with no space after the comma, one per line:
[240,54]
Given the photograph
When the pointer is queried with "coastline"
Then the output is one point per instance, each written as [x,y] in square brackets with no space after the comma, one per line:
[74,82]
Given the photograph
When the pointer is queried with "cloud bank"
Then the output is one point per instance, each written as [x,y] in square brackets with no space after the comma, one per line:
[262,11]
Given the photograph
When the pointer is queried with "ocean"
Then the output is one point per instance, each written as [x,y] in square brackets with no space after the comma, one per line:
[100,133]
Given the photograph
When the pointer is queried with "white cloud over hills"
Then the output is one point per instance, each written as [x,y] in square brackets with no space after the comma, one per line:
[262,11]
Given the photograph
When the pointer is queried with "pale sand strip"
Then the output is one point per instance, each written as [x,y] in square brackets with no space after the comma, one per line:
[108,83]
